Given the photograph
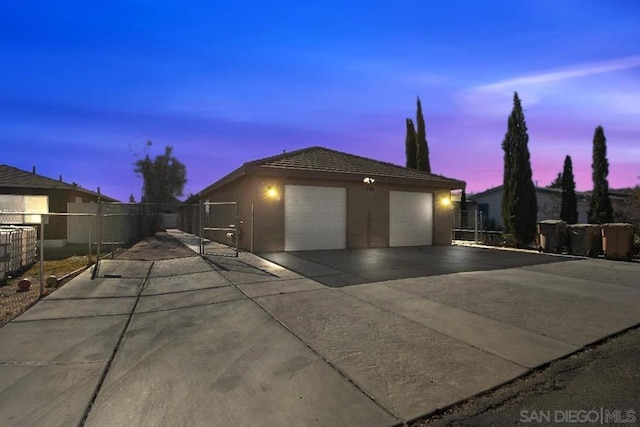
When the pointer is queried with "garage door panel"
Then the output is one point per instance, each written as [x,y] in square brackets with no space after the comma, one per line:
[315,217]
[410,218]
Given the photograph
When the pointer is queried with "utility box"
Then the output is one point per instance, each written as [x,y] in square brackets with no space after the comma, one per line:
[552,235]
[584,239]
[617,241]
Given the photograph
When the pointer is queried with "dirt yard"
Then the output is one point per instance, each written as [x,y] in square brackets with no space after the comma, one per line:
[156,247]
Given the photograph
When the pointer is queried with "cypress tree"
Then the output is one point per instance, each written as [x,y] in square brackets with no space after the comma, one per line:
[557,182]
[519,202]
[422,153]
[411,145]
[507,147]
[569,203]
[600,211]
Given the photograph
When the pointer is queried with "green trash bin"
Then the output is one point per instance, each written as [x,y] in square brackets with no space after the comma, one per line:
[551,235]
[617,241]
[584,239]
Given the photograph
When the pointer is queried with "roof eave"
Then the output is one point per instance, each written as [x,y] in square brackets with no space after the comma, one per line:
[437,182]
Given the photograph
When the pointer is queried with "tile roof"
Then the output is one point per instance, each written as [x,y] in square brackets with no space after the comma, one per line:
[320,159]
[324,160]
[18,178]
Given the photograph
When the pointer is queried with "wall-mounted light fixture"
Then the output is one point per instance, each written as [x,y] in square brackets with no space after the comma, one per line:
[445,201]
[368,180]
[272,192]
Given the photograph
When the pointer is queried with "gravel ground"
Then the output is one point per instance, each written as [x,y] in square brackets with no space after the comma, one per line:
[156,247]
[13,301]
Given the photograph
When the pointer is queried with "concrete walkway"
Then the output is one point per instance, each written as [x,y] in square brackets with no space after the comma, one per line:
[243,341]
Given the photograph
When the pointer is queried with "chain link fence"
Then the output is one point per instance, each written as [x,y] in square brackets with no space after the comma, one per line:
[32,247]
[219,229]
[474,226]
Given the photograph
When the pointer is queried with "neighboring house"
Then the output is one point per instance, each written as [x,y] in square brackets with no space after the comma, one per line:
[14,181]
[489,202]
[317,198]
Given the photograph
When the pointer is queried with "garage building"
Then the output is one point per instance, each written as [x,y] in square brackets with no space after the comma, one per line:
[317,198]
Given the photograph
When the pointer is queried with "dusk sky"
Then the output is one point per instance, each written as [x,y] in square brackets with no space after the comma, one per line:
[86,84]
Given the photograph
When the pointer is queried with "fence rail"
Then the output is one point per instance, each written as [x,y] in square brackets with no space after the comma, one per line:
[473,226]
[218,228]
[91,226]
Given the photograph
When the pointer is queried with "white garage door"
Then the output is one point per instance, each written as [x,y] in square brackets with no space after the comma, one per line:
[314,218]
[410,218]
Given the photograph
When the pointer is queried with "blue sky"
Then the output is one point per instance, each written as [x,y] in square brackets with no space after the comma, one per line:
[85,85]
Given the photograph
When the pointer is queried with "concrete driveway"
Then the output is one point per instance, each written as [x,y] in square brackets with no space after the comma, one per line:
[337,268]
[246,342]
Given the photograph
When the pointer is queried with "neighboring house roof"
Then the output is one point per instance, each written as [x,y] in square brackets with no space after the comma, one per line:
[484,193]
[12,177]
[499,188]
[616,194]
[315,160]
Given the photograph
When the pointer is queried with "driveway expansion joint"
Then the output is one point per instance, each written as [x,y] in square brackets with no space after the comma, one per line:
[107,367]
[161,310]
[50,363]
[324,359]
[89,316]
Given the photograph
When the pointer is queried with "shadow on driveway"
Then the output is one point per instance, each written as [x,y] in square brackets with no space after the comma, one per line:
[337,268]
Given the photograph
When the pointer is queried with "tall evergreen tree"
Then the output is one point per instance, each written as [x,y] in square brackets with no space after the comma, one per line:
[411,146]
[519,203]
[507,147]
[422,153]
[600,211]
[569,203]
[557,182]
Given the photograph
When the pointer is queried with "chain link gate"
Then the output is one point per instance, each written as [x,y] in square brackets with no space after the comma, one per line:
[218,224]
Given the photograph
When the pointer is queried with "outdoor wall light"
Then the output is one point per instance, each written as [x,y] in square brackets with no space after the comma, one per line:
[445,201]
[272,193]
[368,180]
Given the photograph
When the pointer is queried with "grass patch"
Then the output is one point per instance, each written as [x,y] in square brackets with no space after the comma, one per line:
[57,268]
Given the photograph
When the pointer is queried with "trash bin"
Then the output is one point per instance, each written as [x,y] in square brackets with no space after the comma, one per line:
[617,241]
[551,235]
[584,239]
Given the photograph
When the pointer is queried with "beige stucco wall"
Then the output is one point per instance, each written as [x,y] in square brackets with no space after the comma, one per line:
[367,220]
[442,218]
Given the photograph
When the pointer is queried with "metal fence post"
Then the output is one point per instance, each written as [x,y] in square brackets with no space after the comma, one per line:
[237,229]
[123,220]
[90,239]
[99,233]
[200,226]
[475,236]
[41,255]
[252,216]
